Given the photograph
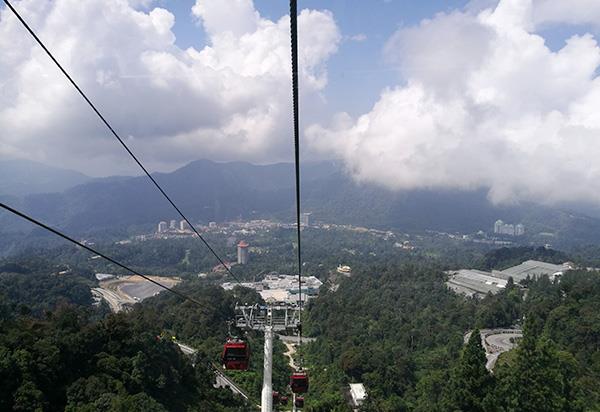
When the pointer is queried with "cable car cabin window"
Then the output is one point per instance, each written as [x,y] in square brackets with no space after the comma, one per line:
[235,353]
[299,382]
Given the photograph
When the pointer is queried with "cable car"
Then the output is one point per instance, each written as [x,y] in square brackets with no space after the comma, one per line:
[236,354]
[299,382]
[299,402]
[283,400]
[275,397]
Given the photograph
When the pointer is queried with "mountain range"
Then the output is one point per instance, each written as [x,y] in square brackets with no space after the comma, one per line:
[210,191]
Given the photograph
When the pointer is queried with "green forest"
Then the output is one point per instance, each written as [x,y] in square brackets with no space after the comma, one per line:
[393,326]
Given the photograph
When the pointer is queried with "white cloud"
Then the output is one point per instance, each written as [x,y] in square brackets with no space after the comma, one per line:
[229,100]
[485,104]
[360,37]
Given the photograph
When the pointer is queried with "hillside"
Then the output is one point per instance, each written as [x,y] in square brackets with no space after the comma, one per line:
[209,191]
[24,177]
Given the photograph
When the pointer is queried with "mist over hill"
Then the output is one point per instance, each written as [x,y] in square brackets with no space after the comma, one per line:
[210,191]
[24,177]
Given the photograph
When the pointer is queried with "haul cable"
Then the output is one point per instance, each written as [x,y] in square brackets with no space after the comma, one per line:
[116,135]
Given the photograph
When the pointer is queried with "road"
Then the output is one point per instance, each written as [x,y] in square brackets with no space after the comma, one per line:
[221,380]
[116,302]
[497,342]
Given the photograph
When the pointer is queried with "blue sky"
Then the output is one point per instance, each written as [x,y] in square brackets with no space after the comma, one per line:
[358,71]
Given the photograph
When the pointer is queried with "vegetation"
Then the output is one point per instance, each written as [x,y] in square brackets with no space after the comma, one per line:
[393,326]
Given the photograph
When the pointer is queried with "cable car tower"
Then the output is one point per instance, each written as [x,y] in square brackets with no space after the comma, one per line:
[276,317]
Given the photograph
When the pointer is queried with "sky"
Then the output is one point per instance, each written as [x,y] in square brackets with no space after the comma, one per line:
[440,94]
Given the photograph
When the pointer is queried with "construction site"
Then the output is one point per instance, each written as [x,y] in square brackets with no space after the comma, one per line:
[121,293]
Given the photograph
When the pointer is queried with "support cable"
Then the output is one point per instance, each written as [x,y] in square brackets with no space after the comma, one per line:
[294,44]
[89,249]
[116,135]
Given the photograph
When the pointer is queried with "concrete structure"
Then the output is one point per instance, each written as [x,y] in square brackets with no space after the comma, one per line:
[478,283]
[344,270]
[519,230]
[242,253]
[162,227]
[534,269]
[173,224]
[358,394]
[184,226]
[502,228]
[282,288]
[212,225]
[305,219]
[472,282]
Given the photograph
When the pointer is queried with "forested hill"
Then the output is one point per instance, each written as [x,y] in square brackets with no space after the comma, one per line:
[209,191]
[75,358]
[399,331]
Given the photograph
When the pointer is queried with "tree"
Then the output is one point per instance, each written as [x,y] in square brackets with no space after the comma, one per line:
[471,383]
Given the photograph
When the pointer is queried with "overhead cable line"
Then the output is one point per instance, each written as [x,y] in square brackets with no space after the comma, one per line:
[116,135]
[89,249]
[294,44]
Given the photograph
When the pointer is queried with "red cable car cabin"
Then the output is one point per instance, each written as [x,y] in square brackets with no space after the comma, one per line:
[236,355]
[299,402]
[299,382]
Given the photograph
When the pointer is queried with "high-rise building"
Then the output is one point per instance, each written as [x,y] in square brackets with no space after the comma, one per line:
[162,227]
[305,219]
[173,224]
[184,226]
[242,253]
[519,230]
[498,226]
[508,228]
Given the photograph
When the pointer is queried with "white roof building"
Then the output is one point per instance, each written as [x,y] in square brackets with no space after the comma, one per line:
[358,393]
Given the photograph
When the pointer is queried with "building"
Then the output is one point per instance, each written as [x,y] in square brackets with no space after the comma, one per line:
[519,230]
[242,253]
[344,270]
[305,219]
[533,269]
[498,226]
[173,224]
[472,282]
[184,226]
[509,229]
[358,394]
[282,288]
[212,225]
[162,227]
[478,283]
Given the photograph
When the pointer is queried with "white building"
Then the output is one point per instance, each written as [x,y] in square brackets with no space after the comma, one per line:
[519,230]
[305,219]
[173,224]
[510,229]
[282,288]
[162,227]
[184,226]
[358,394]
[344,270]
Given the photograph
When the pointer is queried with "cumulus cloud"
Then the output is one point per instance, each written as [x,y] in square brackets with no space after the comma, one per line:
[484,103]
[229,100]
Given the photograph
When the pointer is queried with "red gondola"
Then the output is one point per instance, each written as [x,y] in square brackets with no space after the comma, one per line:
[299,382]
[275,397]
[283,400]
[236,355]
[299,402]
